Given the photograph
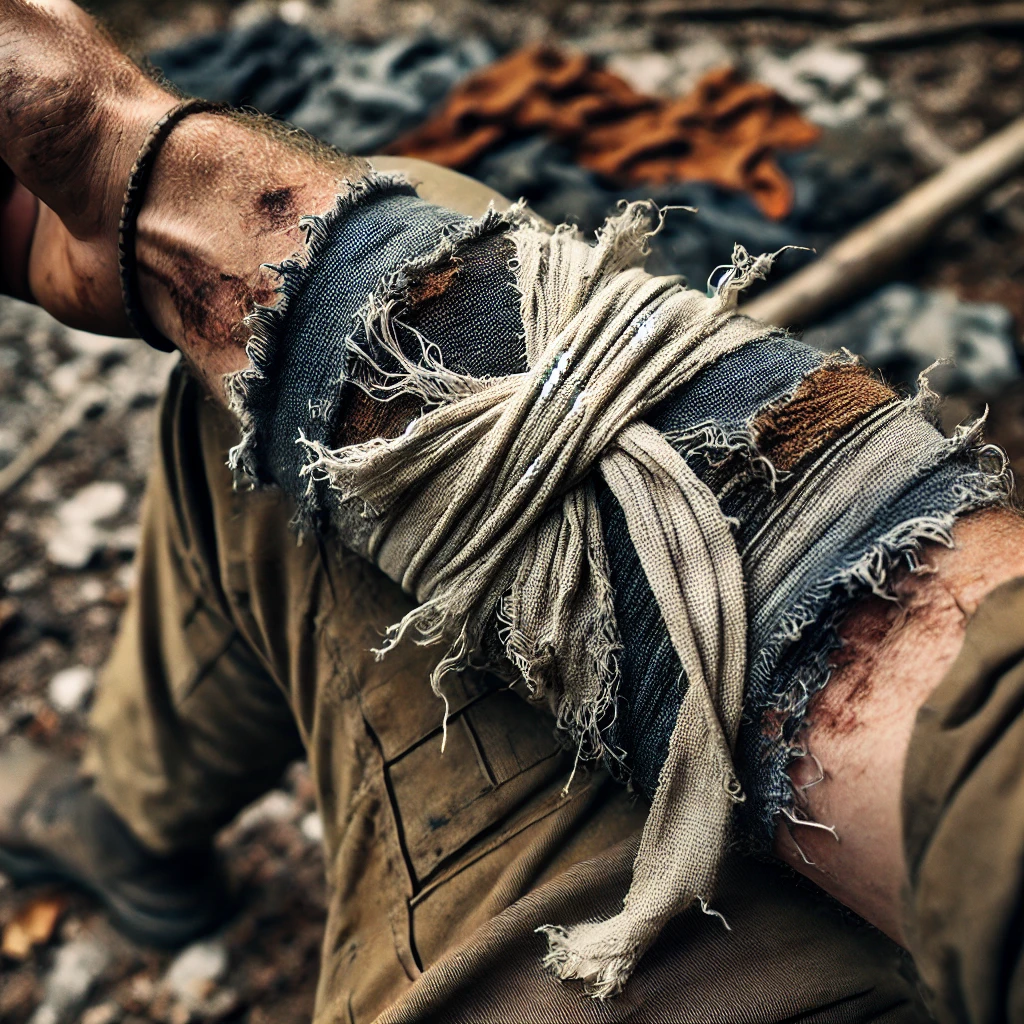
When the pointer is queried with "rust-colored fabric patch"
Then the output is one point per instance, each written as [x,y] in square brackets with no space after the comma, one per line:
[365,418]
[726,131]
[828,402]
[431,285]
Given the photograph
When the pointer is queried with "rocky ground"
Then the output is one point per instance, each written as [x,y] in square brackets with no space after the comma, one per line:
[69,531]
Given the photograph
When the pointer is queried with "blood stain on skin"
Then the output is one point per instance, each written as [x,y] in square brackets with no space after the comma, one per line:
[210,303]
[835,709]
[275,208]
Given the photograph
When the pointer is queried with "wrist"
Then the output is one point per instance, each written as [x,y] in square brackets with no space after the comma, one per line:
[225,200]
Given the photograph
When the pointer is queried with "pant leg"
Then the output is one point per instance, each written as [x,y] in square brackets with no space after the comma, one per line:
[189,724]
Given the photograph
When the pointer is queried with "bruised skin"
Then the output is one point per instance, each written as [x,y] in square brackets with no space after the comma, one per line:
[225,199]
[894,654]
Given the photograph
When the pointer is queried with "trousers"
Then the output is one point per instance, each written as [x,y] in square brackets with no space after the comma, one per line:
[242,650]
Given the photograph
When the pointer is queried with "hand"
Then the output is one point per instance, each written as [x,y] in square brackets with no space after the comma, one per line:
[73,113]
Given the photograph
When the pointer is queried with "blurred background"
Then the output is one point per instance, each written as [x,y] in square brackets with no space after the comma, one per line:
[785,122]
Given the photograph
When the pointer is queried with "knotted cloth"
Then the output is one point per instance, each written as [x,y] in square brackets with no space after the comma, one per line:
[485,510]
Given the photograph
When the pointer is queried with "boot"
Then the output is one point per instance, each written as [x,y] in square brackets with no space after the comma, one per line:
[54,827]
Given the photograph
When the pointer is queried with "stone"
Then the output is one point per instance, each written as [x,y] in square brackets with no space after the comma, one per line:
[75,970]
[24,579]
[104,1013]
[76,535]
[70,688]
[91,591]
[277,806]
[648,71]
[195,971]
[312,827]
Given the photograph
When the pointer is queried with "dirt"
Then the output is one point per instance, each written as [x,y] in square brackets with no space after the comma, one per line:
[55,617]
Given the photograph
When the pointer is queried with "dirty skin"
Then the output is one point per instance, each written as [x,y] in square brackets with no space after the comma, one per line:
[210,303]
[275,209]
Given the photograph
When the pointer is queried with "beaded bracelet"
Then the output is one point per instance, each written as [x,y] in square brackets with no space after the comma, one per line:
[134,194]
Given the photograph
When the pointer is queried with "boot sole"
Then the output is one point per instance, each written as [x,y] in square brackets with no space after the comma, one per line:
[137,925]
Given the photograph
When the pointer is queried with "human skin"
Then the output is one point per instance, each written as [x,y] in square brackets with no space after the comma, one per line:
[225,199]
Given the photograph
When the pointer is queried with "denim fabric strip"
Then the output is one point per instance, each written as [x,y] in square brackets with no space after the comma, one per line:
[367,243]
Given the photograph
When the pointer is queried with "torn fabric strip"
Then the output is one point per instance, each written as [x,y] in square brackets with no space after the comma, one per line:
[601,482]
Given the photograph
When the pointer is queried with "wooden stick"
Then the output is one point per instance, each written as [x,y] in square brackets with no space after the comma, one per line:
[929,27]
[869,252]
[48,438]
[825,12]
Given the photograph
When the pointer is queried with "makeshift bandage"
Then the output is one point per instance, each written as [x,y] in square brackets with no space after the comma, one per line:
[651,510]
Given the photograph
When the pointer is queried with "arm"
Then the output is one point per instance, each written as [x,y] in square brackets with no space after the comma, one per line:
[860,725]
[225,199]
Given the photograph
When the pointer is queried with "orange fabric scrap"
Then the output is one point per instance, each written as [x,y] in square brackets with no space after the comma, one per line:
[33,925]
[726,131]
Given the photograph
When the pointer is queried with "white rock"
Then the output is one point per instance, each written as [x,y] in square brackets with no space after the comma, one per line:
[196,970]
[105,1013]
[24,579]
[275,807]
[75,969]
[649,72]
[76,534]
[66,380]
[70,688]
[312,827]
[294,12]
[94,503]
[90,591]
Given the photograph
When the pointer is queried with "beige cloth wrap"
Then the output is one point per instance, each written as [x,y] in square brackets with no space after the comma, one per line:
[485,510]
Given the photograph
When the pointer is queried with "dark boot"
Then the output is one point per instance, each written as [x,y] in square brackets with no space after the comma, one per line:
[53,827]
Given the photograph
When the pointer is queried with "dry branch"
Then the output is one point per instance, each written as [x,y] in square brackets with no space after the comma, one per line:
[869,252]
[48,438]
[926,28]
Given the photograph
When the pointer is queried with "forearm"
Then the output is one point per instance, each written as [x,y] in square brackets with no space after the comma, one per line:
[859,726]
[225,201]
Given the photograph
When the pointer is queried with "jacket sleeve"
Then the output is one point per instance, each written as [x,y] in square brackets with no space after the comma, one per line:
[963,814]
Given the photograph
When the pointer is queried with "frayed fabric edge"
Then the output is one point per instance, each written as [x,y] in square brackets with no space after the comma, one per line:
[248,388]
[989,484]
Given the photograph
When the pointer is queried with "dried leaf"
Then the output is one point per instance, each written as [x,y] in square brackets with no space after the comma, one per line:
[44,726]
[33,925]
